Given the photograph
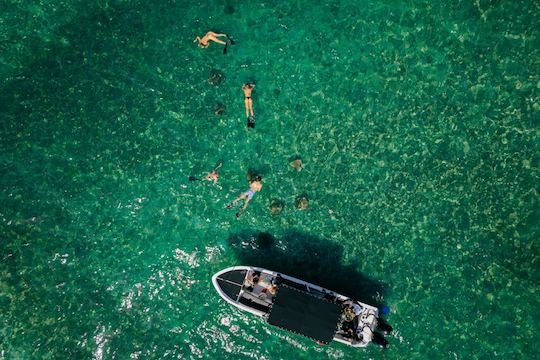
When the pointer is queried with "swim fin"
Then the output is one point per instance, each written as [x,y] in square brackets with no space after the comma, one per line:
[193,178]
[251,122]
[225,49]
[231,40]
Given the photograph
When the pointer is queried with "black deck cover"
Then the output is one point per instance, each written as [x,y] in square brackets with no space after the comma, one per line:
[231,290]
[304,314]
[231,282]
[235,276]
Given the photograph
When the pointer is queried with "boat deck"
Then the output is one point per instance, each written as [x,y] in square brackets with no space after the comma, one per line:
[298,306]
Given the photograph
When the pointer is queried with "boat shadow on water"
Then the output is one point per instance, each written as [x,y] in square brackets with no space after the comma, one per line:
[307,257]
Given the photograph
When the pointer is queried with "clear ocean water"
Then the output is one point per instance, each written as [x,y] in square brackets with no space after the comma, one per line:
[417,123]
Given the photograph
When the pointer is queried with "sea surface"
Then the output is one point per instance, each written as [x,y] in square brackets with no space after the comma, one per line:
[417,123]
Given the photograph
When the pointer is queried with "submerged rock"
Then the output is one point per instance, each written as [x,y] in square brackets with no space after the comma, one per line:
[219,108]
[297,164]
[276,206]
[216,77]
[302,203]
[229,9]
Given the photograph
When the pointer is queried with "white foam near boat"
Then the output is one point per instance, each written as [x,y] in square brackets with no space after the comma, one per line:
[298,306]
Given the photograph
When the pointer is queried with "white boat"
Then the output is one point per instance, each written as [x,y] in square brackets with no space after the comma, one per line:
[298,306]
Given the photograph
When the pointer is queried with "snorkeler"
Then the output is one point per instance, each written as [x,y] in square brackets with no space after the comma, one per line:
[213,175]
[255,185]
[212,36]
[248,103]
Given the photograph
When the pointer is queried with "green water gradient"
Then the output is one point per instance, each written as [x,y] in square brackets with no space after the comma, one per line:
[418,126]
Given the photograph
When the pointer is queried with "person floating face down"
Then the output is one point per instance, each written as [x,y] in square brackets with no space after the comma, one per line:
[248,103]
[255,185]
[204,42]
[213,175]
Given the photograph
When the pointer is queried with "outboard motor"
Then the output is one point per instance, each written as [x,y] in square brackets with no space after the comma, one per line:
[384,326]
[380,340]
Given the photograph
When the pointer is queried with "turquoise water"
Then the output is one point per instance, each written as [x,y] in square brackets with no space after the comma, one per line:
[417,124]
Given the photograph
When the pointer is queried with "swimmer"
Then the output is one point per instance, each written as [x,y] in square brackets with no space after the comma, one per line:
[248,103]
[255,185]
[212,36]
[213,175]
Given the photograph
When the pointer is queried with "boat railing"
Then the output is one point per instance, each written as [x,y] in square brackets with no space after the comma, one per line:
[293,284]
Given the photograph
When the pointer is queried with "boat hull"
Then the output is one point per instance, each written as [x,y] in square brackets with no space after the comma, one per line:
[230,286]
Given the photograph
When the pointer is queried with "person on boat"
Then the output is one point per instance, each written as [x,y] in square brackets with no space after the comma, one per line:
[347,329]
[348,314]
[248,103]
[204,42]
[251,280]
[213,175]
[255,185]
[353,307]
[351,310]
[270,289]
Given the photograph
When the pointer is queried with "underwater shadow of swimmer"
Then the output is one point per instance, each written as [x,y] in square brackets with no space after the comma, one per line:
[308,258]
